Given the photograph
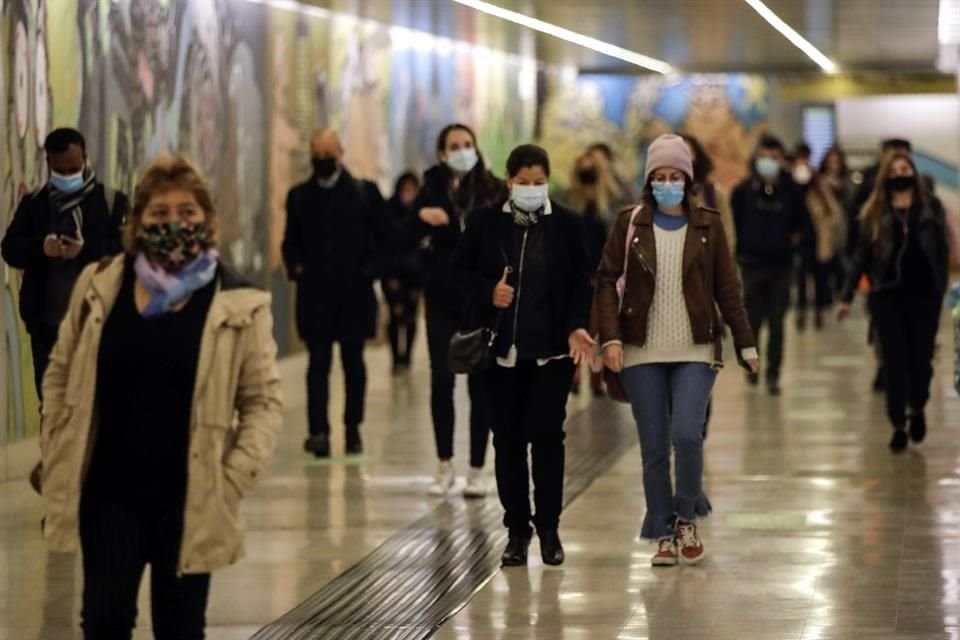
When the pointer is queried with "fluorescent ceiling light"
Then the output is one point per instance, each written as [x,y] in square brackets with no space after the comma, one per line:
[570,36]
[795,38]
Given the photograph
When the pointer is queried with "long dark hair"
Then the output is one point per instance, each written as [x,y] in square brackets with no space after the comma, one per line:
[843,160]
[879,203]
[479,187]
[702,164]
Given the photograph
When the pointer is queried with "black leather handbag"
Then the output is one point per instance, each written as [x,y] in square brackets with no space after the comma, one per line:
[472,351]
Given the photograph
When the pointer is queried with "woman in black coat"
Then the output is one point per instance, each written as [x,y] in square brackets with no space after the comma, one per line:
[402,271]
[457,185]
[902,248]
[524,263]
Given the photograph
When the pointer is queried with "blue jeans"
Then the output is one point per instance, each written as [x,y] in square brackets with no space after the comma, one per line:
[669,403]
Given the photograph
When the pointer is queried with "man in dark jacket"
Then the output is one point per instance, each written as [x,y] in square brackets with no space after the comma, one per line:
[769,213]
[329,248]
[57,230]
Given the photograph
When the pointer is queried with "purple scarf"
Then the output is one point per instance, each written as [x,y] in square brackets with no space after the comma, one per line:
[169,289]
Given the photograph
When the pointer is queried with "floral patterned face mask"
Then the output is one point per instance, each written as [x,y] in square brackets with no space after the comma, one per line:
[173,245]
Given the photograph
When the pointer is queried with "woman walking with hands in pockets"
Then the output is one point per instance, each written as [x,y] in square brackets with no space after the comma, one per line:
[666,269]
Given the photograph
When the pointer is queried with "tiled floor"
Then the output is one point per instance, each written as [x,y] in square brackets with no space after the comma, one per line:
[819,533]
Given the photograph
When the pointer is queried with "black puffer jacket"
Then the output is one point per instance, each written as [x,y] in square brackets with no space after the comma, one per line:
[882,259]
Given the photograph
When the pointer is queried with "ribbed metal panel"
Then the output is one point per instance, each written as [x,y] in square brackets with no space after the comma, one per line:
[425,573]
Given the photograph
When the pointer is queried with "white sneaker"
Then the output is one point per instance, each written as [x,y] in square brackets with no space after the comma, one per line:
[444,480]
[476,484]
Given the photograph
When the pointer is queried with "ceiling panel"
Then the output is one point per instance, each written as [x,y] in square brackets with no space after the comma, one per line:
[692,35]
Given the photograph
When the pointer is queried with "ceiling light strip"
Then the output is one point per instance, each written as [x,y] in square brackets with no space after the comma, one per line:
[570,36]
[795,38]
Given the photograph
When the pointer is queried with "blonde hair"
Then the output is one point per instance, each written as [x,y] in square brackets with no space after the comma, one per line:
[603,192]
[879,201]
[164,174]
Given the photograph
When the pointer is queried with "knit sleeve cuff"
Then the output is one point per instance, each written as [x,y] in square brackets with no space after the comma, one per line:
[749,354]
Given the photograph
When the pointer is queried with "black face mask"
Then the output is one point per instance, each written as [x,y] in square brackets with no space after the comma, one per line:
[324,167]
[587,176]
[901,183]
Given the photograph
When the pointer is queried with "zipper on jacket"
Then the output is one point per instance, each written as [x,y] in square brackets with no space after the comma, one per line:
[512,355]
[643,262]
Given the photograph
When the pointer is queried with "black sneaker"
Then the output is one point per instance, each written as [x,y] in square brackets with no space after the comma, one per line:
[918,427]
[773,387]
[515,555]
[354,443]
[898,443]
[318,445]
[753,379]
[550,548]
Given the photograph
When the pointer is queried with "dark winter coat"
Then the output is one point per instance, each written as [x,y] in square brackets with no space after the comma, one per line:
[334,236]
[882,259]
[480,260]
[478,189]
[22,246]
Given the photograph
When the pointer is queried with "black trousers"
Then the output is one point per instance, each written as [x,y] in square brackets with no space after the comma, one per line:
[118,542]
[318,383]
[906,325]
[766,294]
[403,297]
[441,325]
[42,340]
[529,408]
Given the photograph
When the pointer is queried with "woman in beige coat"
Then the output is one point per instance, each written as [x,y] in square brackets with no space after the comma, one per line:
[162,406]
[830,231]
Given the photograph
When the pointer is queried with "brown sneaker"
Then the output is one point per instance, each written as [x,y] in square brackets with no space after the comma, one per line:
[666,555]
[689,544]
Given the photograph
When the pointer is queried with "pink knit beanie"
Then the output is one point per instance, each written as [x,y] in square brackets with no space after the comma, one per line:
[669,150]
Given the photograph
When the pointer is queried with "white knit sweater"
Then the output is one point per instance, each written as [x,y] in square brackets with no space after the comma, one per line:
[669,333]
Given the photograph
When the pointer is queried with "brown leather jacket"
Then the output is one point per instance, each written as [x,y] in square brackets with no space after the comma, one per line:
[710,280]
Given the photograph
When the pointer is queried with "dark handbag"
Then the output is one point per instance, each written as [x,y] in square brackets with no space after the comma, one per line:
[472,351]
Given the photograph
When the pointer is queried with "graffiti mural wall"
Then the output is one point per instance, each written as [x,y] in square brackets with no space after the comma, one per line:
[728,113]
[239,86]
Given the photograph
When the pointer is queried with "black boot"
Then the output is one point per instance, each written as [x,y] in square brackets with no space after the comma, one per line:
[318,445]
[898,444]
[515,555]
[550,548]
[354,444]
[918,427]
[773,386]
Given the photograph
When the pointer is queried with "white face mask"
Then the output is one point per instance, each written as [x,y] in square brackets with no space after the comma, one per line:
[802,174]
[462,160]
[529,197]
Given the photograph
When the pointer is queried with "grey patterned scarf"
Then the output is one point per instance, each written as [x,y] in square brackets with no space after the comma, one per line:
[525,218]
[68,204]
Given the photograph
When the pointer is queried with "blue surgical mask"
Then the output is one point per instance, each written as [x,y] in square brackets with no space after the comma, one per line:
[463,160]
[767,167]
[66,183]
[668,194]
[529,197]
